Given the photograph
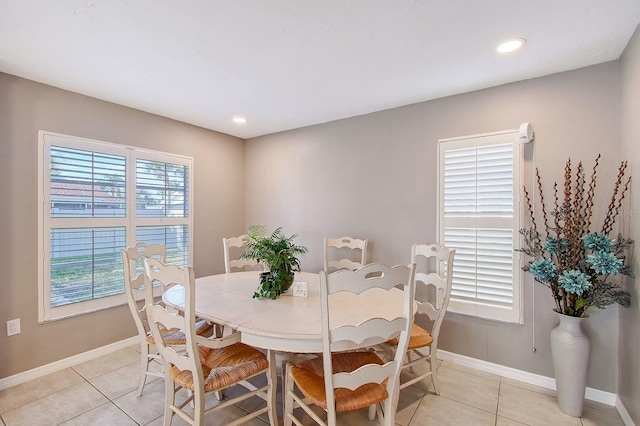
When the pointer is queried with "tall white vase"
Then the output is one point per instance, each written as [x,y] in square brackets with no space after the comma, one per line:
[570,349]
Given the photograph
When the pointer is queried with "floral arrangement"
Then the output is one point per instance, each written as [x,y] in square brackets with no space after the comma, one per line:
[573,261]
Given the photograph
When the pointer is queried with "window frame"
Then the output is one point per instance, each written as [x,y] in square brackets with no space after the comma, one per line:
[130,222]
[477,309]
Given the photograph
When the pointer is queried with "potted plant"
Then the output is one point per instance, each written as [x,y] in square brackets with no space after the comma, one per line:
[576,264]
[279,254]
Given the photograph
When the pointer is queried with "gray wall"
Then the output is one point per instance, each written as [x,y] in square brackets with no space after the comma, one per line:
[25,108]
[371,176]
[374,176]
[629,331]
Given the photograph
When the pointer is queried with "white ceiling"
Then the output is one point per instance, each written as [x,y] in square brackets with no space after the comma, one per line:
[286,64]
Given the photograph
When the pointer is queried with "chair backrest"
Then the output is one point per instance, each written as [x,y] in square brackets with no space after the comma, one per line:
[161,317]
[336,244]
[438,275]
[366,332]
[134,279]
[239,263]
[171,275]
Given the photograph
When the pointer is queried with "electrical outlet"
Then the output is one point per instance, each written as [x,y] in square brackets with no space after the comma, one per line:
[13,327]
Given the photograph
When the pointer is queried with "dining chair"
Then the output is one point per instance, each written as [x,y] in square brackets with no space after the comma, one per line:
[341,381]
[207,365]
[134,286]
[434,275]
[334,247]
[236,243]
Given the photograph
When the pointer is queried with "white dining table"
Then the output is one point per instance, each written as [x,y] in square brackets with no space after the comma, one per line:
[288,323]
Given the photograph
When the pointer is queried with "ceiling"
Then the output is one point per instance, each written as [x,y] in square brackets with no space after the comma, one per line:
[285,64]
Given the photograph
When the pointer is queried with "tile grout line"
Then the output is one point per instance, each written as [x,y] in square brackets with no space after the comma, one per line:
[109,400]
[417,406]
[468,405]
[424,395]
[498,406]
[42,396]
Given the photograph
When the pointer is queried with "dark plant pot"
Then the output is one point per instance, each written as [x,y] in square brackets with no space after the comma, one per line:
[273,284]
[284,279]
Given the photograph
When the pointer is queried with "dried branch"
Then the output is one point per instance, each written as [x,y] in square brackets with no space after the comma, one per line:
[567,183]
[530,209]
[544,210]
[590,194]
[556,221]
[574,221]
[612,211]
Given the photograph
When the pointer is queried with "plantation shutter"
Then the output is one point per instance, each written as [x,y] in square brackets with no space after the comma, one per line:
[479,181]
[162,204]
[98,198]
[92,186]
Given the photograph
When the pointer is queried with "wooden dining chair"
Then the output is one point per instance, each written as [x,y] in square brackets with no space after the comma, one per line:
[134,286]
[237,244]
[345,381]
[207,365]
[334,247]
[434,278]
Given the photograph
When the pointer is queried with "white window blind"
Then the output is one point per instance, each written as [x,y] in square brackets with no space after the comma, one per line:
[479,185]
[98,198]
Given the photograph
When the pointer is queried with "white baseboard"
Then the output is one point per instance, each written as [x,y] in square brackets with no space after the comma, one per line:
[41,371]
[597,395]
[624,414]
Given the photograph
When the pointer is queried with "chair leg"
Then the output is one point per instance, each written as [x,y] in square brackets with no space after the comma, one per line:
[389,407]
[372,412]
[408,360]
[287,387]
[434,369]
[198,410]
[144,366]
[382,416]
[169,399]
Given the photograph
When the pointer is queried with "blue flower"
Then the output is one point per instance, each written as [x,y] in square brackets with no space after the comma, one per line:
[604,263]
[574,281]
[543,269]
[551,245]
[597,242]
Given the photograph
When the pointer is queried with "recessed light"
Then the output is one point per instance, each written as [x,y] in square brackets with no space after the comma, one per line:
[510,45]
[239,119]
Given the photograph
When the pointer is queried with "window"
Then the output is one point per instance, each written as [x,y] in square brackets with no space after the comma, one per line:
[98,198]
[479,181]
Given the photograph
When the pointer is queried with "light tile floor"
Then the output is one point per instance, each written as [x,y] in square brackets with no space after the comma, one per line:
[103,392]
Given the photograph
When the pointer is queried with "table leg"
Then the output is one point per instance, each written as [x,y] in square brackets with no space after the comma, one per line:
[272,378]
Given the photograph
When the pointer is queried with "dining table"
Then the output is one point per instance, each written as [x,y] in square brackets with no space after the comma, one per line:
[288,323]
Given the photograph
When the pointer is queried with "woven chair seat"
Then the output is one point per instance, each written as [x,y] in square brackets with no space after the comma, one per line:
[177,337]
[309,376]
[419,338]
[223,367]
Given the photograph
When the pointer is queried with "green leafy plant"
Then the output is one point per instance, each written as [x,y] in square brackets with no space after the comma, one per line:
[279,254]
[573,261]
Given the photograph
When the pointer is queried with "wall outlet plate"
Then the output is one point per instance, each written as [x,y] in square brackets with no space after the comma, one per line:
[299,289]
[13,327]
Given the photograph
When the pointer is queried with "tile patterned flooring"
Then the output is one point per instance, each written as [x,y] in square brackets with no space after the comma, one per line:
[103,392]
